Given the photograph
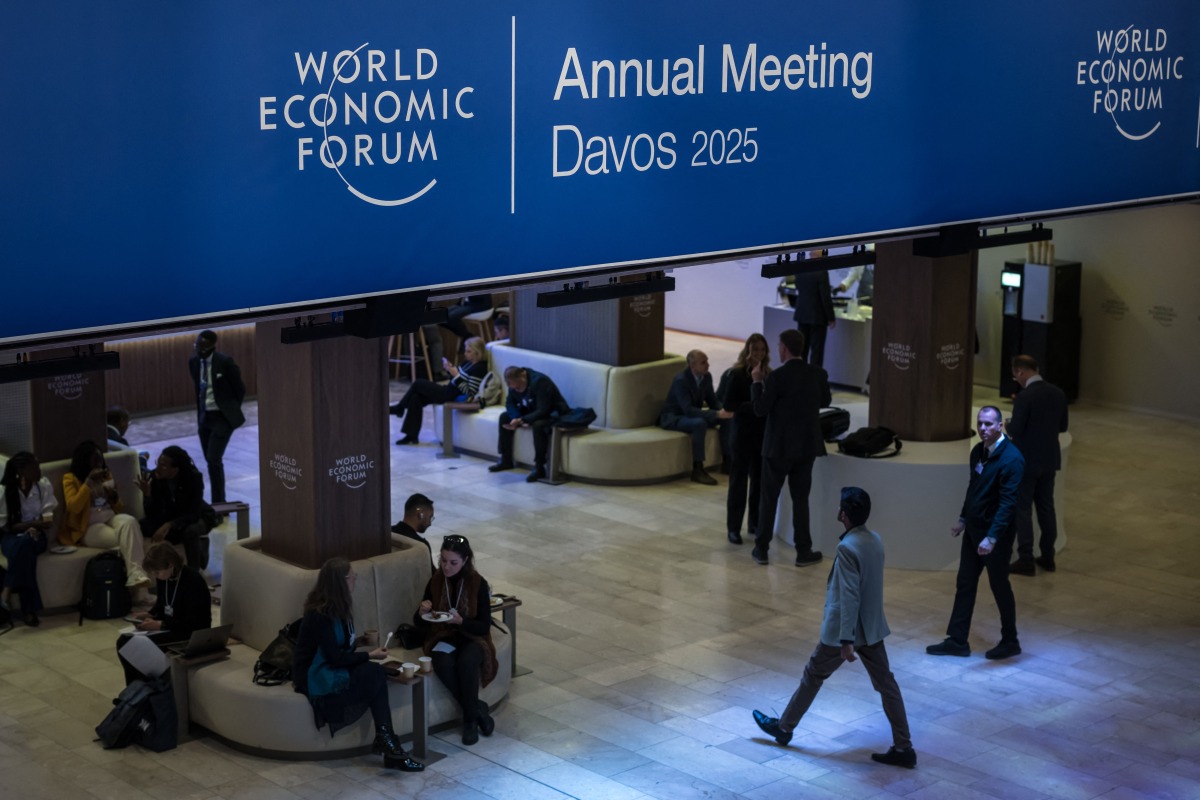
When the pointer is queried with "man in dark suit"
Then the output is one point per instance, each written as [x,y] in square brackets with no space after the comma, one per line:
[854,624]
[988,517]
[814,313]
[219,394]
[691,391]
[418,516]
[1039,416]
[533,402]
[791,399]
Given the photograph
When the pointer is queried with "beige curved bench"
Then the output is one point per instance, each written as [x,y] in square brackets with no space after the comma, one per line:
[261,595]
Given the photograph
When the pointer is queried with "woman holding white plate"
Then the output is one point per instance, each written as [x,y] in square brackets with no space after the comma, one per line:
[456,618]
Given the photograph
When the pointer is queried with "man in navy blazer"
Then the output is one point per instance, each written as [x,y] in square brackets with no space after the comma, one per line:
[854,624]
[534,402]
[685,410]
[219,395]
[1039,416]
[989,519]
[791,398]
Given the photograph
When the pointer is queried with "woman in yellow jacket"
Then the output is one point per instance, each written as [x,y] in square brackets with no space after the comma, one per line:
[93,517]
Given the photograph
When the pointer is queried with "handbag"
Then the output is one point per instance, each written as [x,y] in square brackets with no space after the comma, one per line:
[834,422]
[409,637]
[576,418]
[274,666]
[871,443]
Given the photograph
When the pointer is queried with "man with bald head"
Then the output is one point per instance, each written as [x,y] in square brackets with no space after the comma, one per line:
[692,408]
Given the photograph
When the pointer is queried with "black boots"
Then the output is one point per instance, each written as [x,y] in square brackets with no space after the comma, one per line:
[470,732]
[486,723]
[394,757]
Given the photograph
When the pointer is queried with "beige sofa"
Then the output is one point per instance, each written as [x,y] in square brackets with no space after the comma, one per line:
[623,446]
[261,595]
[60,576]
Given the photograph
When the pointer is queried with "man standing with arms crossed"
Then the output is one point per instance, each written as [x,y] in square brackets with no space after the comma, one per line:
[791,398]
[1039,416]
[854,624]
[219,394]
[988,517]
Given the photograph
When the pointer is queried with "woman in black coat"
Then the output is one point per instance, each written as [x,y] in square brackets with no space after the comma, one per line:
[340,682]
[182,606]
[748,431]
[174,502]
[464,656]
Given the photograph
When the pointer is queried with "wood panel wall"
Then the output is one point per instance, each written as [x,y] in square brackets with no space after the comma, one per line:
[154,374]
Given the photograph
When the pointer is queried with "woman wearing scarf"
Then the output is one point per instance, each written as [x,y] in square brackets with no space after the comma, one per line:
[464,657]
[340,682]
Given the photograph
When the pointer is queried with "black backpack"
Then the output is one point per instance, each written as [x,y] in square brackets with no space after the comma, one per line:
[274,666]
[104,593]
[144,714]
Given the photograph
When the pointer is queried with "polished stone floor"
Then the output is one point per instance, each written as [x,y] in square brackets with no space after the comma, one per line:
[651,639]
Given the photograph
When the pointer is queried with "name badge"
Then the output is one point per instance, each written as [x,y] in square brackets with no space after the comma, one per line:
[979,468]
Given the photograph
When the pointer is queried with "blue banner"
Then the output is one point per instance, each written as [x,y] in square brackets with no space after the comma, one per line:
[174,160]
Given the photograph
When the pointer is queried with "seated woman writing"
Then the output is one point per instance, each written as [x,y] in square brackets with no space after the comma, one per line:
[340,682]
[26,514]
[464,656]
[183,603]
[463,385]
[93,515]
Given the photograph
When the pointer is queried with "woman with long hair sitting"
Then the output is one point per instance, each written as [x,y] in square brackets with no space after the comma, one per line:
[26,513]
[463,385]
[174,501]
[93,515]
[340,682]
[464,656]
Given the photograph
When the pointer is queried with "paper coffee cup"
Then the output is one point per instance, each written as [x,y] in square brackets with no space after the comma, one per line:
[371,637]
[426,663]
[409,669]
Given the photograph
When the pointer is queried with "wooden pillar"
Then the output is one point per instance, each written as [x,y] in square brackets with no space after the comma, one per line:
[923,343]
[619,332]
[65,410]
[323,447]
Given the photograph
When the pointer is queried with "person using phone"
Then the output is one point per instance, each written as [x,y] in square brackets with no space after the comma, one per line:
[26,514]
[463,385]
[340,682]
[93,515]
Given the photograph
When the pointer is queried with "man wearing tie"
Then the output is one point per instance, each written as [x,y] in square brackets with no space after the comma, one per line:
[219,393]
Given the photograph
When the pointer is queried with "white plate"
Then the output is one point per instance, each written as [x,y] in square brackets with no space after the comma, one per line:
[497,601]
[62,549]
[437,616]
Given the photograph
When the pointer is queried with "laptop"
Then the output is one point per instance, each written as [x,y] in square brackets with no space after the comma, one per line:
[203,642]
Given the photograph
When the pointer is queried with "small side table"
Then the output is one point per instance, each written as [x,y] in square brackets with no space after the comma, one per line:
[179,687]
[508,612]
[420,714]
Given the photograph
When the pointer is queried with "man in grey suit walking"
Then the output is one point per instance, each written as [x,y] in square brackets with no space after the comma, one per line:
[854,624]
[791,398]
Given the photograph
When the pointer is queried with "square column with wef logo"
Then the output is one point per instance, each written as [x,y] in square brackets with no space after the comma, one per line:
[923,343]
[323,447]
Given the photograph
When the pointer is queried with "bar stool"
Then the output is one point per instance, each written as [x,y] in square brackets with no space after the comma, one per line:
[482,322]
[397,357]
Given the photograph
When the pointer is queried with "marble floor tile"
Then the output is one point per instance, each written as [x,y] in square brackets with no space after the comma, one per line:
[651,639]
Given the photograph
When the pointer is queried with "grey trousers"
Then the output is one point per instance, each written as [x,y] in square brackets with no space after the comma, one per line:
[824,662]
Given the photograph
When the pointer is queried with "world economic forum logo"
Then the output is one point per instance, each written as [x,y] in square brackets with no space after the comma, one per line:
[371,117]
[1126,77]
